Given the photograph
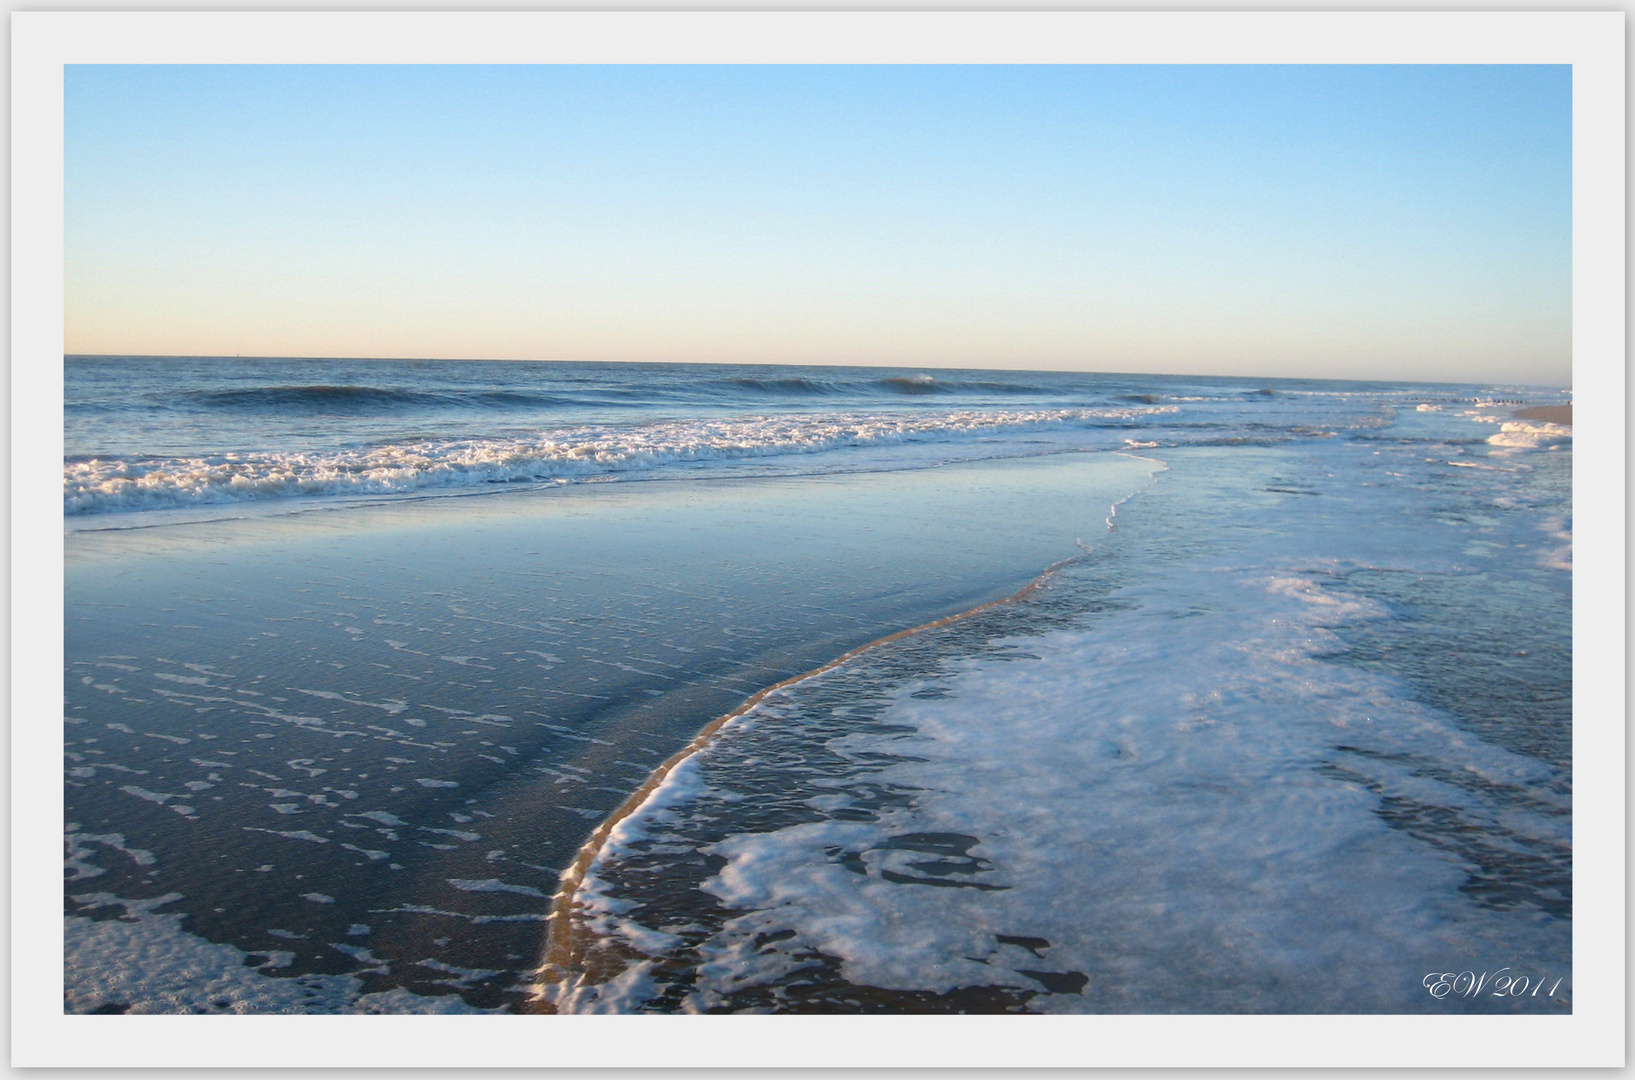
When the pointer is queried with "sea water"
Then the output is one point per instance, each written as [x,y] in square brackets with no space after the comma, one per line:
[1286,729]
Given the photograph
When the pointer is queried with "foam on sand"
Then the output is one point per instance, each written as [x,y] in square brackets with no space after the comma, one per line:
[670,783]
[144,962]
[1125,822]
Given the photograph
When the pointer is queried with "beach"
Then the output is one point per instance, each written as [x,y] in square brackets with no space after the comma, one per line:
[710,689]
[418,712]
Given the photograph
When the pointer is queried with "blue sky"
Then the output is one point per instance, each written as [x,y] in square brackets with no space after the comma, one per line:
[1363,221]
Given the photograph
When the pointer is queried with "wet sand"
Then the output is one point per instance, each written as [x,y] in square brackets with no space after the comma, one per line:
[1550,414]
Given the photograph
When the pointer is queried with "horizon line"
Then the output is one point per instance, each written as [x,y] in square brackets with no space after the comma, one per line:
[814,364]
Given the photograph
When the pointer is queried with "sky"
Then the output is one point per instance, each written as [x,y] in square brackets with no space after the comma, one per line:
[1342,221]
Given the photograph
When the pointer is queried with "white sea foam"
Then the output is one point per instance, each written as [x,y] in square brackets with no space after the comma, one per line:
[1558,528]
[115,484]
[78,860]
[146,963]
[493,885]
[1529,435]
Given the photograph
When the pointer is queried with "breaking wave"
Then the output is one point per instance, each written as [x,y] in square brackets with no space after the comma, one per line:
[144,482]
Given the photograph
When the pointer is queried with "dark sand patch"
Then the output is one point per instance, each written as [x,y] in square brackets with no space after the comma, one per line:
[1550,414]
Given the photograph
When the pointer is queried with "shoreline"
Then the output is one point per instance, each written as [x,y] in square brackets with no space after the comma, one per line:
[559,954]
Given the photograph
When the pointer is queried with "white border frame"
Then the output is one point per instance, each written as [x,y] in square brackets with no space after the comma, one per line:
[1593,42]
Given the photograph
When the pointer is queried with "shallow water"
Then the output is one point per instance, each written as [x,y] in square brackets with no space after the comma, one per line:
[418,713]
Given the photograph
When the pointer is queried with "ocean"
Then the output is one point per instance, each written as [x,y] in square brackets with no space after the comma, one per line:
[457,686]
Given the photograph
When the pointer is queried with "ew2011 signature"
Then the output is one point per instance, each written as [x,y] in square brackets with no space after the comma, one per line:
[1497,984]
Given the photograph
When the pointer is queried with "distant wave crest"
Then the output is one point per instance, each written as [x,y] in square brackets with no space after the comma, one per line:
[349,399]
[891,385]
[793,385]
[913,384]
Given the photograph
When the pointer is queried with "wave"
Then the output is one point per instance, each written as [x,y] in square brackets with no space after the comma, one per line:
[891,385]
[804,385]
[133,483]
[350,399]
[363,399]
[913,384]
[794,385]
